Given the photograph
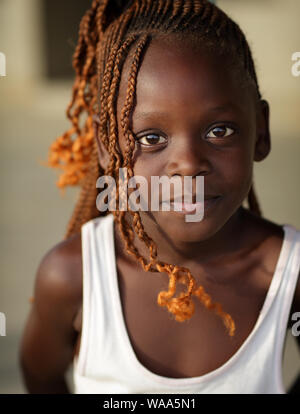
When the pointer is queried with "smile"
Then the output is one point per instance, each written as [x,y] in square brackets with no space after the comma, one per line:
[187,208]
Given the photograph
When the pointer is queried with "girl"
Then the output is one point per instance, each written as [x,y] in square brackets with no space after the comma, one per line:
[164,88]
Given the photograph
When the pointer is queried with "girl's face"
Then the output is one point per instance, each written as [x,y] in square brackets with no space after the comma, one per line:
[193,117]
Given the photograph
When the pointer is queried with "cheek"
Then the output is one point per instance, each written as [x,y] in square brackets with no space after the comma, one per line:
[235,171]
[144,168]
[148,165]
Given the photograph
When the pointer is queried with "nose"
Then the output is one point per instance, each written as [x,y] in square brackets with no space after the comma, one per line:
[188,157]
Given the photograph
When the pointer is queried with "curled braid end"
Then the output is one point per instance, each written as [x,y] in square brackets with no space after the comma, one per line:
[217,308]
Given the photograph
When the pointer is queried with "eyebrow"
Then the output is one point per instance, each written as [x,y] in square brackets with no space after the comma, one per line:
[142,115]
[224,107]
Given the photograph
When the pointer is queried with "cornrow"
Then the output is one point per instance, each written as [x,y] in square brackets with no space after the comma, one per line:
[108,32]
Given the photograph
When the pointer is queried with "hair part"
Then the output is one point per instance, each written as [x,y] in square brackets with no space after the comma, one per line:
[108,32]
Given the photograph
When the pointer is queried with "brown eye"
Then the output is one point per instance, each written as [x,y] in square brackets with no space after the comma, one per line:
[151,139]
[220,132]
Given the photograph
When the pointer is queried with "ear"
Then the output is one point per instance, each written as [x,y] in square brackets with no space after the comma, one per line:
[263,139]
[103,154]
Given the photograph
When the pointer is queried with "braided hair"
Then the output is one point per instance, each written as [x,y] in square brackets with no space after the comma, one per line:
[108,31]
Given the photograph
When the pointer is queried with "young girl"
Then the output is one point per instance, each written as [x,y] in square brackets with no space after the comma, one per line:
[145,301]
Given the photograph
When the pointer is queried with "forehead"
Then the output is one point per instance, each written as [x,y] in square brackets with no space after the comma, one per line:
[177,75]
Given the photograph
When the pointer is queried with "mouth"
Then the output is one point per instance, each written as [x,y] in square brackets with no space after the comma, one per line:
[183,207]
[193,197]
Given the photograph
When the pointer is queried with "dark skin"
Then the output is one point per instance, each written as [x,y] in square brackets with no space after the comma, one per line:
[231,252]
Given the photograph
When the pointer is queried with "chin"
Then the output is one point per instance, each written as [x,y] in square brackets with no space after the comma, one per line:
[178,230]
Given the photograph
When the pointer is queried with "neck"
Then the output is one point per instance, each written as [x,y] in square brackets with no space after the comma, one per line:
[226,240]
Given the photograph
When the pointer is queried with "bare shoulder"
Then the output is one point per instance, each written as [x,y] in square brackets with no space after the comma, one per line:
[46,348]
[62,264]
[59,274]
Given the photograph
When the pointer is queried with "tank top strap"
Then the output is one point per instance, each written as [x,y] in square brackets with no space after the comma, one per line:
[290,276]
[96,246]
[290,270]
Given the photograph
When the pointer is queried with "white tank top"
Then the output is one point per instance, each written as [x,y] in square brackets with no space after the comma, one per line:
[107,363]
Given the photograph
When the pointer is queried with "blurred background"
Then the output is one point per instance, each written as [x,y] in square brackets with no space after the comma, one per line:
[38,38]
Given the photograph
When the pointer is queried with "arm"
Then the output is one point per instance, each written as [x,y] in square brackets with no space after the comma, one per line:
[47,345]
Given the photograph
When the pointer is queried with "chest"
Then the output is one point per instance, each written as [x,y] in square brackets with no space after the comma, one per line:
[194,347]
[201,344]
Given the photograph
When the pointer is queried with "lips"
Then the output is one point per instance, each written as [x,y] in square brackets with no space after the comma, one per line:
[193,198]
[180,206]
[186,206]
